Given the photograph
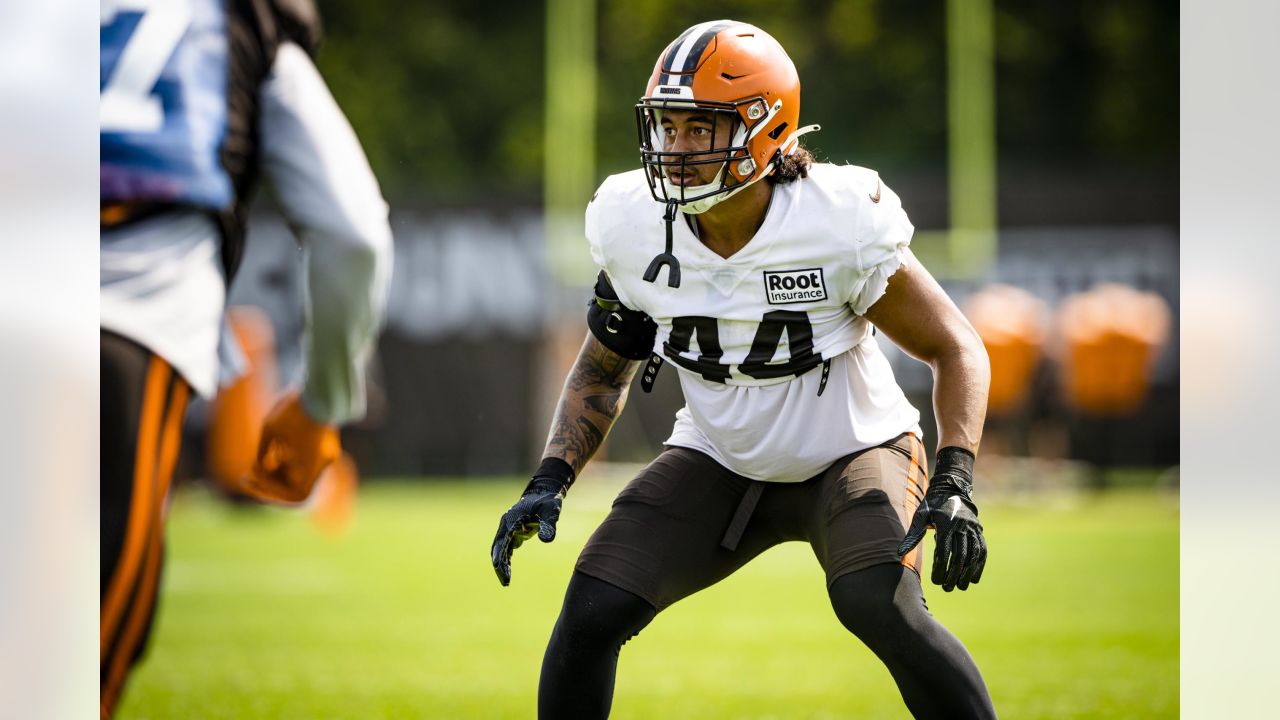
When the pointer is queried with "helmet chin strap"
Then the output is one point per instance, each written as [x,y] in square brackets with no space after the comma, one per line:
[697,207]
[667,258]
[701,205]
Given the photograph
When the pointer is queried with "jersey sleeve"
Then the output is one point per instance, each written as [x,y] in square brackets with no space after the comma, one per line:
[592,227]
[884,233]
[601,214]
[322,180]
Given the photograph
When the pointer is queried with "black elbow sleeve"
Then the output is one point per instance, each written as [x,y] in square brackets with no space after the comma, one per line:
[629,333]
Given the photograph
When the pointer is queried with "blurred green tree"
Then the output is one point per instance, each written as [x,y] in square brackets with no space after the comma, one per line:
[447,95]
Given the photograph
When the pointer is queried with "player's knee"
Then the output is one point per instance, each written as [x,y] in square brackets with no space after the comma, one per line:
[598,616]
[878,601]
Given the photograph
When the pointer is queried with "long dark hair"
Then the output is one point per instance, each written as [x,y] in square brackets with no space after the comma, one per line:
[792,167]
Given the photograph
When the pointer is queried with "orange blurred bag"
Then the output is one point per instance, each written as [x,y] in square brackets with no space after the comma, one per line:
[1110,339]
[1013,325]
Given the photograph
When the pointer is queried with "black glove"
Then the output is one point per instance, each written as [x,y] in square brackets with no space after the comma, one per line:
[960,552]
[537,510]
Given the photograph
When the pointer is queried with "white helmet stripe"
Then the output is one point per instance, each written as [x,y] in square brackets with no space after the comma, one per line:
[684,57]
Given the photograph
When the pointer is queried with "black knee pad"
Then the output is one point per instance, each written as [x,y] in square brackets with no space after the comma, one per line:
[597,615]
[878,599]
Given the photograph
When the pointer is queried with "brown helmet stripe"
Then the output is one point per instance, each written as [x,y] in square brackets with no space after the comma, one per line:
[683,55]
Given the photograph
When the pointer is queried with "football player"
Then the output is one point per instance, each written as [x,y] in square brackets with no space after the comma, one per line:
[199,97]
[762,276]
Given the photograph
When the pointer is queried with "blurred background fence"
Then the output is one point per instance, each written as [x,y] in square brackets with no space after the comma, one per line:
[450,100]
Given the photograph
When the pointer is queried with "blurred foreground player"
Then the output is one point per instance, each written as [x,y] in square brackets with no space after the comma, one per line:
[765,296]
[197,98]
[233,421]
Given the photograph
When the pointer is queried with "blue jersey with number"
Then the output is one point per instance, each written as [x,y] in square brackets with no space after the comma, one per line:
[163,113]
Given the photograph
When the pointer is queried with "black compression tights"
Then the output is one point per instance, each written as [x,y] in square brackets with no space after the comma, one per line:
[582,657]
[882,605]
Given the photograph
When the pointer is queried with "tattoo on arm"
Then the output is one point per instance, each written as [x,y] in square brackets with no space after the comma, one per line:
[593,397]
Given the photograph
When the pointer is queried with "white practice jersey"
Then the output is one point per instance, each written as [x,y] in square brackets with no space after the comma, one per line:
[750,334]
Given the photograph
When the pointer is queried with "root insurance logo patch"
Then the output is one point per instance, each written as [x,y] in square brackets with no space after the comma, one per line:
[784,287]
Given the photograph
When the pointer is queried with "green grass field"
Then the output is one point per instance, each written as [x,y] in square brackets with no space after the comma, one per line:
[263,617]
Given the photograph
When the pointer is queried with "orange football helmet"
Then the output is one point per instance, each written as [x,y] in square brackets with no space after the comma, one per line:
[740,75]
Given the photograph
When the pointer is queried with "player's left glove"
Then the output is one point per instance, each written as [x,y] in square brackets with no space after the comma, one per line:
[960,551]
[294,450]
[537,511]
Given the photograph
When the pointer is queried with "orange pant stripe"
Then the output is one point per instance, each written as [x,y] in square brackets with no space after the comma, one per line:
[171,441]
[140,611]
[135,626]
[917,481]
[140,506]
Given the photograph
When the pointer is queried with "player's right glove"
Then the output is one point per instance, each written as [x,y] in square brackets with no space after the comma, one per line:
[960,551]
[294,450]
[537,511]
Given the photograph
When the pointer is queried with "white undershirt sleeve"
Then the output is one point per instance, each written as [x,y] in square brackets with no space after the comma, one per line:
[322,180]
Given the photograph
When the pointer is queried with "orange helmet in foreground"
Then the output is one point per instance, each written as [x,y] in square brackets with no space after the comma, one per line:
[739,75]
